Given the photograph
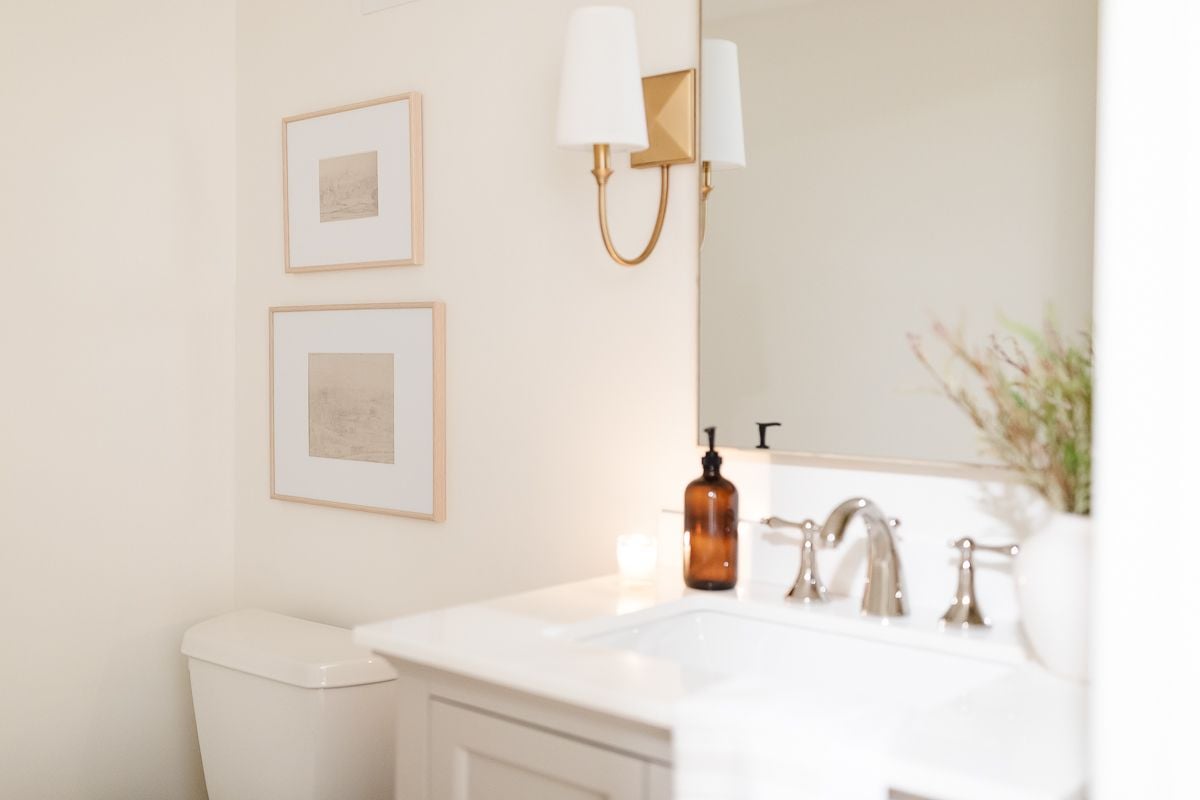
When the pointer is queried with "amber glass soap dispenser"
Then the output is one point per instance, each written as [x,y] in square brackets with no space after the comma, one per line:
[710,518]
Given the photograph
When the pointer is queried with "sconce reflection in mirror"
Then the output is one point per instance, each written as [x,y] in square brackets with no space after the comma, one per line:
[604,104]
[722,141]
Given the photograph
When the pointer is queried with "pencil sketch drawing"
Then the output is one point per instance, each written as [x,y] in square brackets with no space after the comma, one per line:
[351,406]
[349,187]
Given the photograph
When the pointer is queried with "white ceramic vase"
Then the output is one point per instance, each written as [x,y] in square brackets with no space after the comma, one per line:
[1052,573]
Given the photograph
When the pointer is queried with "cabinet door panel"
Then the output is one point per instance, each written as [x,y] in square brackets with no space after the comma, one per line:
[480,757]
[658,785]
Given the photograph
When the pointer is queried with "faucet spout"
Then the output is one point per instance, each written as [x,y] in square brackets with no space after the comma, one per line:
[883,595]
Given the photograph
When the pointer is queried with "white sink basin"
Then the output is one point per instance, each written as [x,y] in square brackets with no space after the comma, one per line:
[847,661]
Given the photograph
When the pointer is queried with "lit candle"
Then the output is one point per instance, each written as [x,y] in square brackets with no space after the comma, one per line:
[637,556]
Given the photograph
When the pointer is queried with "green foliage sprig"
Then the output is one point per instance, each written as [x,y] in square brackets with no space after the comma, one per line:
[1033,409]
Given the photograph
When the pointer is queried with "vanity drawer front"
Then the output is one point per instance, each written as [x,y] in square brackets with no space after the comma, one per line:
[476,756]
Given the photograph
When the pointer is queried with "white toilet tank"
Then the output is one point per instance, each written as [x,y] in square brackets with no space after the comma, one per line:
[288,709]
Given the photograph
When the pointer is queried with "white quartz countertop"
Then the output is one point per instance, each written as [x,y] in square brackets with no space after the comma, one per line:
[1020,736]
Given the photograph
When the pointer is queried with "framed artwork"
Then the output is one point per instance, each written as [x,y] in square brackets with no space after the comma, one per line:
[358,407]
[352,195]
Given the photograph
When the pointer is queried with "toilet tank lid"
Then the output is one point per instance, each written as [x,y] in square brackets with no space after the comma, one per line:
[285,649]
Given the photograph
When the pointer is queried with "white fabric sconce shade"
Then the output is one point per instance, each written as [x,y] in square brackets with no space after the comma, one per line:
[721,138]
[602,108]
[600,97]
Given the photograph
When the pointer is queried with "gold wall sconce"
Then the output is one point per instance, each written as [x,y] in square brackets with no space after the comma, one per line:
[605,105]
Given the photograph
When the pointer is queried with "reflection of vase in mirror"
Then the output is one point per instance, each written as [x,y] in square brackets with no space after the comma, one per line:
[906,160]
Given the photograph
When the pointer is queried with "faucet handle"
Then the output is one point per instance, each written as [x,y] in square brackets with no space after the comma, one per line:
[1004,549]
[804,525]
[808,587]
[964,611]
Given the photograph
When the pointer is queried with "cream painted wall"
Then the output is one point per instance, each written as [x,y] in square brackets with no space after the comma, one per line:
[116,419]
[570,379]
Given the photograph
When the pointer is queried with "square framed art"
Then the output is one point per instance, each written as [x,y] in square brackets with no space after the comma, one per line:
[352,186]
[358,407]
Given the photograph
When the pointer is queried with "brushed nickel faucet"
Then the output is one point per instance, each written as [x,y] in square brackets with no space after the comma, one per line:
[883,596]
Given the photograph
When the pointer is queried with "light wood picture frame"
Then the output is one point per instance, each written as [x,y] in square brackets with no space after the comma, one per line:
[358,407]
[353,186]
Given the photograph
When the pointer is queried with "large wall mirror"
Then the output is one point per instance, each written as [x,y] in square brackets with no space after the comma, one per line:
[892,162]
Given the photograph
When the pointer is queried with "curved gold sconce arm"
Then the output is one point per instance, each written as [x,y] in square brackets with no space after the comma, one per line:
[670,105]
[602,171]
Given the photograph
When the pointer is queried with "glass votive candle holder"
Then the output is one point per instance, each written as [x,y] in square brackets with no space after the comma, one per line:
[637,556]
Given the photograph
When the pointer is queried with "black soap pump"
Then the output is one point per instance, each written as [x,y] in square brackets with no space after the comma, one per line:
[710,520]
[762,433]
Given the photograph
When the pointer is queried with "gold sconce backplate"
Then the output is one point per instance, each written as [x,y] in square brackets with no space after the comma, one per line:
[670,120]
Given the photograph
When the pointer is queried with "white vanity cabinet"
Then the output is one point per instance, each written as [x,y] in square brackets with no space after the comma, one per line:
[476,756]
[571,692]
[459,739]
